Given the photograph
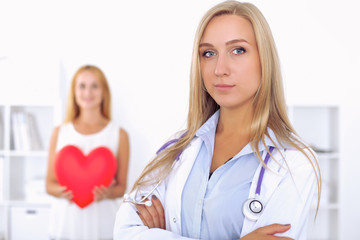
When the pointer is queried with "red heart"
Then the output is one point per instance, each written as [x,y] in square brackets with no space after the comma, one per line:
[80,173]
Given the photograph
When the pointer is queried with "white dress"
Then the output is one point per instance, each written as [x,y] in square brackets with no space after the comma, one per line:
[96,221]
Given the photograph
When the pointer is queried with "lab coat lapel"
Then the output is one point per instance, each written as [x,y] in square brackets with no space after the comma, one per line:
[177,180]
[270,182]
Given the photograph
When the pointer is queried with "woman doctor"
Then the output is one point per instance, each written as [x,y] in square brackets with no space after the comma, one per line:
[239,170]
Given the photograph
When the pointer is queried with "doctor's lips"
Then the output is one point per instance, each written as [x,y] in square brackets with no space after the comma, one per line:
[224,87]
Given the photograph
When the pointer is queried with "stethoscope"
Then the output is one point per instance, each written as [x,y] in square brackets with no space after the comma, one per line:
[252,208]
[145,199]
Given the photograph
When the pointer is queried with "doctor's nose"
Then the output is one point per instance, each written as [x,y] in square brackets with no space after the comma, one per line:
[222,66]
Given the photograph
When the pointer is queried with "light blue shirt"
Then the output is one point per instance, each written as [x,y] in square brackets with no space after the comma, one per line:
[212,207]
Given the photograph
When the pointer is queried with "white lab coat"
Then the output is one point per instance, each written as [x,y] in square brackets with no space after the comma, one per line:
[286,196]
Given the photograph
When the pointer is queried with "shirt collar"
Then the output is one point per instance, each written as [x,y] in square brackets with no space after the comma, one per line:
[209,126]
[207,133]
[270,141]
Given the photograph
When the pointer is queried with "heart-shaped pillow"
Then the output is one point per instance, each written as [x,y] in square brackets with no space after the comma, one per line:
[80,173]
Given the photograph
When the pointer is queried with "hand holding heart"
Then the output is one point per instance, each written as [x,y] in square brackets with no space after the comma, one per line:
[102,192]
[87,177]
[64,192]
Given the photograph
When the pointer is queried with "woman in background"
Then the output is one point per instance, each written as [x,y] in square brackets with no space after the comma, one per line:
[87,125]
[204,183]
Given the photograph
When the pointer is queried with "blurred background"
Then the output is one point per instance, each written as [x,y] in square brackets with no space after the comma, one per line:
[144,48]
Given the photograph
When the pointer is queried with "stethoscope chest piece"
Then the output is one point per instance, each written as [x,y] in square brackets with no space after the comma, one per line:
[252,209]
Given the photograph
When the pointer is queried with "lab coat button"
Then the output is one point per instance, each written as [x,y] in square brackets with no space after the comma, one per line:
[174,220]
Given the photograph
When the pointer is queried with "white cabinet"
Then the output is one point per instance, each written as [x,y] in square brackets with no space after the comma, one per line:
[29,222]
[319,127]
[25,132]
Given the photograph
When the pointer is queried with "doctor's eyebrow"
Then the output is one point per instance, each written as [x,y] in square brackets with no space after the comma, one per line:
[234,41]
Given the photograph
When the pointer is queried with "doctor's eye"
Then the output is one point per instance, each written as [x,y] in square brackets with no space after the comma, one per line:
[239,50]
[208,53]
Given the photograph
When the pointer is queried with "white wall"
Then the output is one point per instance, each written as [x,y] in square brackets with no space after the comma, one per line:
[144,48]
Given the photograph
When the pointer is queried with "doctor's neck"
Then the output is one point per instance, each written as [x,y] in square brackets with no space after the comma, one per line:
[235,121]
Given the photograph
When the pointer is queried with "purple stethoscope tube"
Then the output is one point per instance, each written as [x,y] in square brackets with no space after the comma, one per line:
[258,187]
[168,143]
[253,207]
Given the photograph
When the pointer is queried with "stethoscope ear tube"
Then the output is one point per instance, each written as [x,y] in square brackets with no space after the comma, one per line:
[128,199]
[143,200]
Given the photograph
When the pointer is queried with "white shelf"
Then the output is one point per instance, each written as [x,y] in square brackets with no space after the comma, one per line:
[21,203]
[14,153]
[326,156]
[23,170]
[326,206]
[319,127]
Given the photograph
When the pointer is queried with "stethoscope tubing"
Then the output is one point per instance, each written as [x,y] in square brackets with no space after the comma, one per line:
[261,175]
[252,214]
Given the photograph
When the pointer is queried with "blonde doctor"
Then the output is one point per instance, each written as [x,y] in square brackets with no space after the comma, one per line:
[239,170]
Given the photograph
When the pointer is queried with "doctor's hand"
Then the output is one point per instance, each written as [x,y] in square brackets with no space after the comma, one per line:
[152,216]
[267,233]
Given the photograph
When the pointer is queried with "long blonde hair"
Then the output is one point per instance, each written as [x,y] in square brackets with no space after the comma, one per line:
[73,109]
[269,102]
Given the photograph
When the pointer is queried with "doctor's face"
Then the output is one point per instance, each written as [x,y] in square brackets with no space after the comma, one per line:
[229,61]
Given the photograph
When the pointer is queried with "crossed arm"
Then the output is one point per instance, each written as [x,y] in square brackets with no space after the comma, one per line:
[153,217]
